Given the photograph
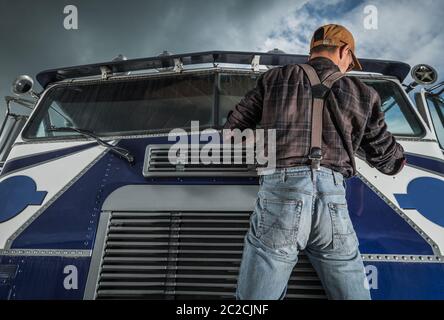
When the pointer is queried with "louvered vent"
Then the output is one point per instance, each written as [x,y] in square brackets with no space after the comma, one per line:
[183,255]
[157,164]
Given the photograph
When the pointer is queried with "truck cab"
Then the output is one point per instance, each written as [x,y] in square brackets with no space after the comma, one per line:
[91,208]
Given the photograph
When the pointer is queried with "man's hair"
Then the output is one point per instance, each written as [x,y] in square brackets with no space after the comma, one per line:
[323,48]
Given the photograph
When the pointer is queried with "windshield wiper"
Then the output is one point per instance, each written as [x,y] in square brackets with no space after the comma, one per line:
[118,150]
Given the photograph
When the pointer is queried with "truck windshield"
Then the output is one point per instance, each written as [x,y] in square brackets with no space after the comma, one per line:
[161,103]
[132,106]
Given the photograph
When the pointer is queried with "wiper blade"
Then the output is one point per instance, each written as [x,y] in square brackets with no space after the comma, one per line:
[118,150]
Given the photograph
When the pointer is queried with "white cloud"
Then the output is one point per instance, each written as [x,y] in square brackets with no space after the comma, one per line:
[407,30]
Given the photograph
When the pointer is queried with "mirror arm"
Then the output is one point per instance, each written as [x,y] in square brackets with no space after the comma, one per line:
[411,86]
[34,94]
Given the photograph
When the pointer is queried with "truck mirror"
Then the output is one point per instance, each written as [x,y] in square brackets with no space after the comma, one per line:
[424,74]
[22,85]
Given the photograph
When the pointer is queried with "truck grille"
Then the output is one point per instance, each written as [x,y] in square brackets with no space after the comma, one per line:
[183,255]
[157,164]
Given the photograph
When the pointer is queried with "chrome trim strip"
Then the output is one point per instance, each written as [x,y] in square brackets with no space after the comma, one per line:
[401,258]
[97,256]
[399,138]
[165,134]
[46,252]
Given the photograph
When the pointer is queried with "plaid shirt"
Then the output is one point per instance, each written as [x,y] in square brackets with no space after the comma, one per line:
[281,100]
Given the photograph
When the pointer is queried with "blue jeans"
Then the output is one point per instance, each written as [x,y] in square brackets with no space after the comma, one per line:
[300,209]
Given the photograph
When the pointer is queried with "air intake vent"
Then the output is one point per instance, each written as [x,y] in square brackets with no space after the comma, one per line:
[157,164]
[183,255]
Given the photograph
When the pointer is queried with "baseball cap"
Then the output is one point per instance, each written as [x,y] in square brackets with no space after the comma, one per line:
[335,35]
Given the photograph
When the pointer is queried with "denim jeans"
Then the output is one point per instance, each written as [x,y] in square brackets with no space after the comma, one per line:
[298,208]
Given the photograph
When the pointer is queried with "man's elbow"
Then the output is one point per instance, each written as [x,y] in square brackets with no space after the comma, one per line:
[396,161]
[394,168]
[391,162]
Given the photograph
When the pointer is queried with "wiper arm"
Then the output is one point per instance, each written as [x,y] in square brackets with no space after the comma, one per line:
[118,150]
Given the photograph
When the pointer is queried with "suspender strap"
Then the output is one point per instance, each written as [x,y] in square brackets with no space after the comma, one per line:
[319,91]
[330,79]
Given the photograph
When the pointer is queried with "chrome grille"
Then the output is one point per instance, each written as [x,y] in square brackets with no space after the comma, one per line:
[157,164]
[183,255]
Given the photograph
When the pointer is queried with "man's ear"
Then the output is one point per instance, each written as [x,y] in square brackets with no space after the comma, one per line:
[343,51]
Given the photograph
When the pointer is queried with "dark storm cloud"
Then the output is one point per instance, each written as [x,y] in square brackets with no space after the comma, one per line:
[33,37]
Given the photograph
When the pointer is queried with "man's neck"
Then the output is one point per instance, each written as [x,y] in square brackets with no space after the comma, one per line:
[323,56]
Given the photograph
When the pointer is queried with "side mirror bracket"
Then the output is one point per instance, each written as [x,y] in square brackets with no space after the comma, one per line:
[422,74]
[23,85]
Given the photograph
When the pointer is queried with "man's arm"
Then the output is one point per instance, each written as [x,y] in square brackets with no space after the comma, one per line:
[248,112]
[380,147]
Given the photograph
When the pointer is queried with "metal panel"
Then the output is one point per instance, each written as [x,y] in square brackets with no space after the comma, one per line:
[181,255]
[158,198]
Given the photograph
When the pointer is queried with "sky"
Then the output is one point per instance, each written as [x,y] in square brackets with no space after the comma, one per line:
[33,36]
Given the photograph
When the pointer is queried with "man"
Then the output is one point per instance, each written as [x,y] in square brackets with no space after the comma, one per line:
[301,206]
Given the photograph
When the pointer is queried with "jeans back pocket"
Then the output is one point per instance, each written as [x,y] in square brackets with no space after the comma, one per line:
[278,221]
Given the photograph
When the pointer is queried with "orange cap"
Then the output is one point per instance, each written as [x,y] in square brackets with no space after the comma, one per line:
[335,35]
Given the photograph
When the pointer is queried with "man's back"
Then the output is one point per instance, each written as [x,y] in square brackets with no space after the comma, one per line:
[302,204]
[351,119]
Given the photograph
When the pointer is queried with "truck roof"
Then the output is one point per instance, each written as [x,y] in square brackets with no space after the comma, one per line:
[385,67]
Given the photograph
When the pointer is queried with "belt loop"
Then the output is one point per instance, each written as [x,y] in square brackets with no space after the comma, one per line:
[284,174]
[335,179]
[313,174]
